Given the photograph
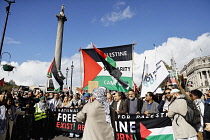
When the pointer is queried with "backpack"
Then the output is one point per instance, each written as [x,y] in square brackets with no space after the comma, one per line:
[193,114]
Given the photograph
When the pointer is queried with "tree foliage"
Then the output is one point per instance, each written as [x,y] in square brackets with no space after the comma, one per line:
[9,85]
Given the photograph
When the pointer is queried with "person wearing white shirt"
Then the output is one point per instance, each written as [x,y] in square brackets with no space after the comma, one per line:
[55,102]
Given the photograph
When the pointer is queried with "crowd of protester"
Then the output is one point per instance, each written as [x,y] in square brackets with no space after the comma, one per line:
[29,114]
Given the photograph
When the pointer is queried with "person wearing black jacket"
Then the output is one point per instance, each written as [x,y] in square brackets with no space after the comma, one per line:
[207,121]
[27,104]
[134,104]
[166,99]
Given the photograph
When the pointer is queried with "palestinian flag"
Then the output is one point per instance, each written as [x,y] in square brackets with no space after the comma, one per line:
[156,129]
[91,68]
[110,66]
[109,63]
[49,71]
[115,71]
[2,82]
[52,70]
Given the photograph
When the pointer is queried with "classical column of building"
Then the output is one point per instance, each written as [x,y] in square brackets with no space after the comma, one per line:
[203,78]
[207,74]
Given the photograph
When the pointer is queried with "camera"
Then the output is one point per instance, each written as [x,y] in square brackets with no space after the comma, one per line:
[24,88]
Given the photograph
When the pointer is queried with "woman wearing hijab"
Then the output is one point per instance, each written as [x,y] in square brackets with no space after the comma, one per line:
[97,117]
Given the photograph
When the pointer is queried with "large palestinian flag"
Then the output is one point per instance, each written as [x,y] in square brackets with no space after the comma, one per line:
[111,66]
[156,129]
[142,127]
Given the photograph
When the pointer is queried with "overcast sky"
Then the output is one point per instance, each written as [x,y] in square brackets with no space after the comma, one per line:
[178,27]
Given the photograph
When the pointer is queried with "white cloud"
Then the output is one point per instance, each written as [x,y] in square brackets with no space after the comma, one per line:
[116,16]
[119,4]
[183,51]
[34,72]
[89,46]
[9,40]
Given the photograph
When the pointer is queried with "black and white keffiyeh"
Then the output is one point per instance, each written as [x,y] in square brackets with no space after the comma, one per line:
[100,94]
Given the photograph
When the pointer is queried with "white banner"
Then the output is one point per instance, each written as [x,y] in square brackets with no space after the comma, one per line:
[153,77]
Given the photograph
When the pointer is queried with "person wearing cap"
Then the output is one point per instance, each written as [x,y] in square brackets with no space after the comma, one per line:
[178,109]
[86,98]
[97,117]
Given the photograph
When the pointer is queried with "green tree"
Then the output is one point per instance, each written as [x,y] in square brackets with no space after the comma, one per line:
[9,85]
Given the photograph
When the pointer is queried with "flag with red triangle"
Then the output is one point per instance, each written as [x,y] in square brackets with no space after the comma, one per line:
[49,71]
[91,68]
[116,67]
[159,128]
[52,70]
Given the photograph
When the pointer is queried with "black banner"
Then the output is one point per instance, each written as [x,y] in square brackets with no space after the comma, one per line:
[128,127]
[66,120]
[117,53]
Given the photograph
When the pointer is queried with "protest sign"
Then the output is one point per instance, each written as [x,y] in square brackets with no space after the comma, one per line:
[66,120]
[92,85]
[128,127]
[153,77]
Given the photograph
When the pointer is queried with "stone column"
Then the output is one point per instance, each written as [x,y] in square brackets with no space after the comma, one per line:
[59,38]
[207,74]
[203,79]
[198,79]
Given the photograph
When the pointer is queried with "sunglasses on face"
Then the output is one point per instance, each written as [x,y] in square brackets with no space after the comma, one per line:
[167,92]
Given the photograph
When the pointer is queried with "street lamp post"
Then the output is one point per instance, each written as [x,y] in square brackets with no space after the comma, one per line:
[67,70]
[5,25]
[72,67]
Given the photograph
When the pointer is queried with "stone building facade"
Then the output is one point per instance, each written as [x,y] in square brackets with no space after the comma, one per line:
[197,72]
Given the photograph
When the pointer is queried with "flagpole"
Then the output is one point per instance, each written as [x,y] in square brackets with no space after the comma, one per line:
[143,73]
[133,58]
[80,68]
